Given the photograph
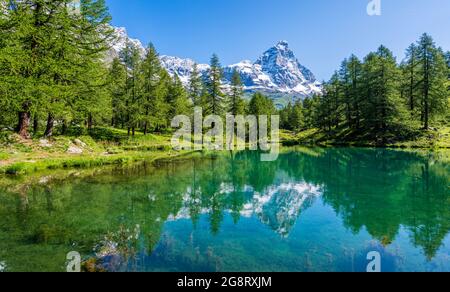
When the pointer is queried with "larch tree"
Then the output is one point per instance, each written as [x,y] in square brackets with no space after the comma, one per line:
[384,107]
[195,87]
[150,78]
[410,68]
[177,99]
[433,83]
[215,96]
[296,119]
[236,102]
[117,79]
[28,56]
[130,57]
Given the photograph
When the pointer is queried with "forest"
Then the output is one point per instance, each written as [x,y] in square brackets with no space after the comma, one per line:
[55,79]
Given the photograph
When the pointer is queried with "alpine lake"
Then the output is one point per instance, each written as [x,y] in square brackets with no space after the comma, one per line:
[313,209]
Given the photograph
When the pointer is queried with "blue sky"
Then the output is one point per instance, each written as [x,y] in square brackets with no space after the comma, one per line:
[321,32]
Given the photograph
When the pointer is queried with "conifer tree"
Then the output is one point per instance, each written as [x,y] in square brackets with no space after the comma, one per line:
[215,103]
[94,36]
[285,114]
[383,108]
[130,56]
[5,36]
[433,72]
[332,95]
[411,79]
[160,116]
[261,105]
[150,71]
[117,90]
[237,106]
[195,88]
[28,56]
[354,72]
[177,99]
[296,119]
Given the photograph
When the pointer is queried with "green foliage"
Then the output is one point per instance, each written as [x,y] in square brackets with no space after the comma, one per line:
[236,102]
[196,87]
[214,104]
[292,117]
[53,72]
[434,75]
[50,61]
[261,105]
[153,106]
[177,99]
[379,101]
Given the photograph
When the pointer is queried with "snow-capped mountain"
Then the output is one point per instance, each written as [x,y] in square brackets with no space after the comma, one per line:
[120,41]
[122,38]
[276,72]
[182,67]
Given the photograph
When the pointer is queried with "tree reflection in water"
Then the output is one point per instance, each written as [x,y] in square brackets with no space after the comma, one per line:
[122,213]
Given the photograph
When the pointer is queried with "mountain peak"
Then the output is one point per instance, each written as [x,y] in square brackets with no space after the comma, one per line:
[282,45]
[285,71]
[277,72]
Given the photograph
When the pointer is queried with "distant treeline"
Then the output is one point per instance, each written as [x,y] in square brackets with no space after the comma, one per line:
[378,98]
[54,75]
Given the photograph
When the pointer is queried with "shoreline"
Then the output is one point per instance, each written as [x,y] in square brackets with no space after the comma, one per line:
[73,162]
[20,157]
[26,167]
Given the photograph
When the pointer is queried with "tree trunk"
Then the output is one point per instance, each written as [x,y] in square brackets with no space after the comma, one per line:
[426,114]
[145,128]
[64,127]
[50,126]
[90,121]
[24,122]
[134,131]
[35,124]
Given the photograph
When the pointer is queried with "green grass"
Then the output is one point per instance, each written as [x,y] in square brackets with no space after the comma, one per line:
[104,146]
[437,138]
[27,167]
[108,146]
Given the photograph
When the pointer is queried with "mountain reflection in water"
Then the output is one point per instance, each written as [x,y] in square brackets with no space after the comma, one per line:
[311,210]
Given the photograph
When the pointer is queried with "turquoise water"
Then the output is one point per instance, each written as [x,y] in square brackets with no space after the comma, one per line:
[311,210]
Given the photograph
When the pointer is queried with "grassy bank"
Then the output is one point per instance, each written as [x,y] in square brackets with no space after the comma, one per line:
[102,146]
[108,146]
[432,139]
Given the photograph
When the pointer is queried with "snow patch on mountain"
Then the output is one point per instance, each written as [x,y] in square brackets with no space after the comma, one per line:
[276,71]
[120,41]
[182,67]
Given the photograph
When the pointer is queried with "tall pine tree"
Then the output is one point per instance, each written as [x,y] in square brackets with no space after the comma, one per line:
[195,88]
[433,73]
[150,78]
[410,69]
[383,107]
[214,97]
[236,103]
